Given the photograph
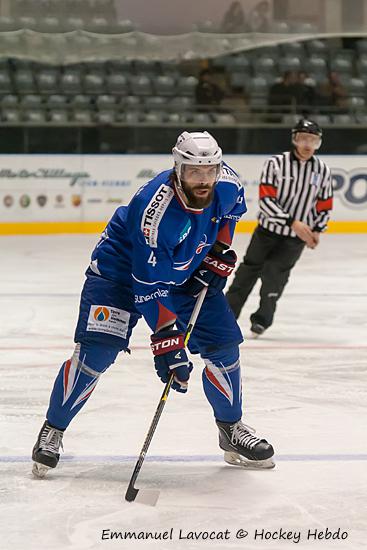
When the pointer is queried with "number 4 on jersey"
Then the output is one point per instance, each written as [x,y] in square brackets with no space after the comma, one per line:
[152,259]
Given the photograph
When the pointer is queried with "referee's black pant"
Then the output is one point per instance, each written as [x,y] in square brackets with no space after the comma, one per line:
[272,258]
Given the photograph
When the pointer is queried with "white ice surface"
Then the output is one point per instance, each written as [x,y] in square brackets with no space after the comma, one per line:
[304,389]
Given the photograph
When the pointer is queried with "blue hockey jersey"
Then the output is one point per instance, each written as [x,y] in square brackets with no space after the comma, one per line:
[156,241]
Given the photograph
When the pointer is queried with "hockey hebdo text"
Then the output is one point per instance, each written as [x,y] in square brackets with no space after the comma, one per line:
[259,535]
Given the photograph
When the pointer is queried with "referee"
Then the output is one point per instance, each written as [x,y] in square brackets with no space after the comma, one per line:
[295,202]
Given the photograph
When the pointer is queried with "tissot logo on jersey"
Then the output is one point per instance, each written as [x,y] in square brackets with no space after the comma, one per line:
[153,214]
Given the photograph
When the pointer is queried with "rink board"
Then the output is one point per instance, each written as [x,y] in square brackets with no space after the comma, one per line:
[45,194]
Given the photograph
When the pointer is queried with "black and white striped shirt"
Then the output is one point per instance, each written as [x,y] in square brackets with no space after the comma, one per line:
[290,190]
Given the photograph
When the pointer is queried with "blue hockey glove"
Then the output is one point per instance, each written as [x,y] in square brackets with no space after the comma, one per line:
[212,272]
[170,355]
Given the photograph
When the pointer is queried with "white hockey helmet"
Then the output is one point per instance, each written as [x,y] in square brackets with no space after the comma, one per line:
[198,148]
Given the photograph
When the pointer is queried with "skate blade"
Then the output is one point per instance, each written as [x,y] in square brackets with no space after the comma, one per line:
[237,460]
[40,470]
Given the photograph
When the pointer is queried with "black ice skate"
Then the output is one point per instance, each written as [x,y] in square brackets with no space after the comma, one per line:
[257,330]
[46,450]
[242,448]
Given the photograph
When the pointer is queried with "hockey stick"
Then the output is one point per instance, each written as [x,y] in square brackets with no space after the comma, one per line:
[149,496]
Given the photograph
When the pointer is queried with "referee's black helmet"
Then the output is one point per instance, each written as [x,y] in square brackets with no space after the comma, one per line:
[308,127]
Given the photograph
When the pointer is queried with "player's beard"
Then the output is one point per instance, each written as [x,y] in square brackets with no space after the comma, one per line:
[198,202]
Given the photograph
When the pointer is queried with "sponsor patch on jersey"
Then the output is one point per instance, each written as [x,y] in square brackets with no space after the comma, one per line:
[159,293]
[109,320]
[153,214]
[230,176]
[186,230]
[232,217]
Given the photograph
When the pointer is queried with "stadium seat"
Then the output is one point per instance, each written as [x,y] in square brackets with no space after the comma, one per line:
[290,63]
[238,80]
[355,102]
[145,67]
[201,119]
[343,118]
[24,81]
[105,117]
[164,85]
[5,83]
[8,24]
[74,23]
[27,22]
[316,64]
[132,117]
[49,24]
[94,83]
[224,119]
[140,85]
[47,80]
[293,48]
[176,118]
[9,101]
[186,85]
[31,101]
[154,117]
[81,116]
[12,116]
[81,102]
[106,102]
[117,84]
[355,86]
[264,65]
[56,101]
[70,82]
[341,65]
[58,116]
[155,103]
[97,25]
[257,86]
[303,28]
[362,65]
[34,116]
[123,26]
[321,119]
[280,27]
[237,63]
[361,118]
[130,102]
[180,103]
[317,47]
[362,46]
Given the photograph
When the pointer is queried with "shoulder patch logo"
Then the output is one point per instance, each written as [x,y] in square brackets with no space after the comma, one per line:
[153,214]
[230,176]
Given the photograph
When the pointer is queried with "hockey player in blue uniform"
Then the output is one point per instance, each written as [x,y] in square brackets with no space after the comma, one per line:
[152,260]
